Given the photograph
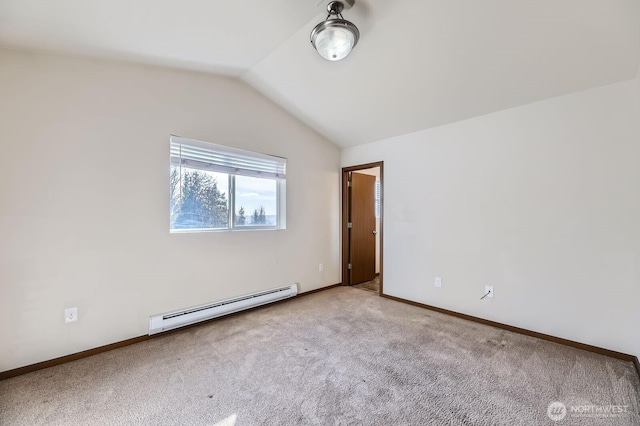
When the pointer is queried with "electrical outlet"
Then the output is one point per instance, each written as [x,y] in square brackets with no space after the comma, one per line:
[488,290]
[70,315]
[438,282]
[320,267]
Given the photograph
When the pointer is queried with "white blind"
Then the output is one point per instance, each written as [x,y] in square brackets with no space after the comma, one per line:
[225,159]
[378,203]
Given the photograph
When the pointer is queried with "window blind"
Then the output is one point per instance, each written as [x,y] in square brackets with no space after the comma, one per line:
[378,203]
[225,159]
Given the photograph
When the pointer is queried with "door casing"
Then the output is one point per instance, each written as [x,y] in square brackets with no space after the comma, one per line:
[345,220]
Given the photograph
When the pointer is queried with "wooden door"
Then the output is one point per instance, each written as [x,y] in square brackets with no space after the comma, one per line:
[362,245]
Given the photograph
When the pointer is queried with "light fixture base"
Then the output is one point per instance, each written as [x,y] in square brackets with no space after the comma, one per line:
[335,7]
[346,4]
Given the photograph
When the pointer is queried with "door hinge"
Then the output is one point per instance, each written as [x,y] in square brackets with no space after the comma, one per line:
[348,184]
[349,225]
[349,266]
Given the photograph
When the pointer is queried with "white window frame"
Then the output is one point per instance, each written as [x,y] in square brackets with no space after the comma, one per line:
[207,156]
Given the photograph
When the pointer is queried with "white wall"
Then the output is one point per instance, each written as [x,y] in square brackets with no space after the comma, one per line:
[84,201]
[540,201]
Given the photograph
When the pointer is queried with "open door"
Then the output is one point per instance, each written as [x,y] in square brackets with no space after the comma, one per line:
[363,228]
[362,243]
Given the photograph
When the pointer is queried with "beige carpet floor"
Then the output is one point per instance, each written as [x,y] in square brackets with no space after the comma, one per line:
[338,357]
[373,285]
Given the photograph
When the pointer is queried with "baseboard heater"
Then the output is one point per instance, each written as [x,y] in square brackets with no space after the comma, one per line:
[172,320]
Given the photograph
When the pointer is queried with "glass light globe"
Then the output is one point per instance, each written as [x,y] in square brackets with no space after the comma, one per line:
[334,38]
[334,43]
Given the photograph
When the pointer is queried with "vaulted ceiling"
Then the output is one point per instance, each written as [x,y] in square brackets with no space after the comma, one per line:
[419,63]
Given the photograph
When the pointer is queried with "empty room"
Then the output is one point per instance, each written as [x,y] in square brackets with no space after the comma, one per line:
[320,212]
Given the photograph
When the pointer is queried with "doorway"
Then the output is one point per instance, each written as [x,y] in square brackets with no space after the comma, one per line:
[362,230]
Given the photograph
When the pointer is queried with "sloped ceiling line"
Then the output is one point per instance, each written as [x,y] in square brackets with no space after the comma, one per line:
[418,64]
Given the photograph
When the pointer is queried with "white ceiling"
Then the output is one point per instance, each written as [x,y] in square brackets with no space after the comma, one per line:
[419,63]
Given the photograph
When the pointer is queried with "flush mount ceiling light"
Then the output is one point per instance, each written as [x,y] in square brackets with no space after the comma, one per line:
[334,37]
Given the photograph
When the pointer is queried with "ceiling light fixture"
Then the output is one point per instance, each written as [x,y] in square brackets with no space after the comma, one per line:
[334,38]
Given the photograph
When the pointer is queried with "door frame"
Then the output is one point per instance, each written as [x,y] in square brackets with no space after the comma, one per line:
[346,279]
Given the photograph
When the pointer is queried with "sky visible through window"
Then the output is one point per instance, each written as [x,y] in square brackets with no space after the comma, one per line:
[253,193]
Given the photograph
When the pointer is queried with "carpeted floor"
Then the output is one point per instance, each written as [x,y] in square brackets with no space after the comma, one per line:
[337,357]
[373,285]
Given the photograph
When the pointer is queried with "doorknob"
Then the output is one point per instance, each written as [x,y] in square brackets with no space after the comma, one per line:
[375,232]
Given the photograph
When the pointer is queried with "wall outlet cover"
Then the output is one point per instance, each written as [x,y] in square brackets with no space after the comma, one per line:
[70,315]
[488,289]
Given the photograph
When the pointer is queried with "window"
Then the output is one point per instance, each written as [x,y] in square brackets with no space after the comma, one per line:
[377,199]
[215,187]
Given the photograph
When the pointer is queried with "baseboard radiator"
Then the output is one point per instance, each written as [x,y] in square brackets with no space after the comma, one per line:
[172,320]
